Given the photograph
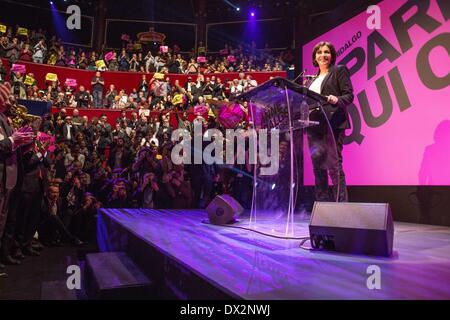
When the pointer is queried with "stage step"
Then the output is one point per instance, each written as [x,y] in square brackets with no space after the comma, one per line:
[113,275]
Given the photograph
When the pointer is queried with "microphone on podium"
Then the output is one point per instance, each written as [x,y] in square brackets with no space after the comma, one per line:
[300,75]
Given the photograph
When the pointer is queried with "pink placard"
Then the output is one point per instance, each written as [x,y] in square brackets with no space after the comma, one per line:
[45,138]
[200,109]
[201,59]
[18,68]
[231,59]
[71,82]
[400,115]
[109,56]
[230,116]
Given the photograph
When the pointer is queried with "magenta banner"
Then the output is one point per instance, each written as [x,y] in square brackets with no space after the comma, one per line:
[400,72]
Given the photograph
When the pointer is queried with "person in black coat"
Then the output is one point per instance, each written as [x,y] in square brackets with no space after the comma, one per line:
[52,229]
[48,125]
[88,132]
[120,156]
[332,81]
[143,85]
[69,131]
[36,163]
[2,72]
[105,132]
[10,141]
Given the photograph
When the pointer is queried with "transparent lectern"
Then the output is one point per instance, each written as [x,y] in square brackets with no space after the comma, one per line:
[282,106]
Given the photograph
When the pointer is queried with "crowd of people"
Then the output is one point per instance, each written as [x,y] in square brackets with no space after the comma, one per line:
[53,188]
[37,47]
[155,93]
[60,184]
[127,165]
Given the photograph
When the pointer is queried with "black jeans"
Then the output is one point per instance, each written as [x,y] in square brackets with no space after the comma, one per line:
[8,241]
[28,217]
[326,158]
[52,227]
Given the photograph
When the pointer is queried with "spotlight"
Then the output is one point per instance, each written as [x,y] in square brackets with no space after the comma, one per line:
[238,9]
[51,3]
[273,186]
[252,13]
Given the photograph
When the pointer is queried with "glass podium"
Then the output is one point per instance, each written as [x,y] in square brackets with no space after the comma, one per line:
[279,110]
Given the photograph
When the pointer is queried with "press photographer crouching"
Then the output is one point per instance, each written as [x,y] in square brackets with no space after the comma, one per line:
[52,230]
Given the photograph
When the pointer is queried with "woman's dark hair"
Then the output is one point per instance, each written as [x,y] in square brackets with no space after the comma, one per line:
[318,46]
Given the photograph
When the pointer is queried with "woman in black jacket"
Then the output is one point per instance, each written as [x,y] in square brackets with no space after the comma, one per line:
[332,81]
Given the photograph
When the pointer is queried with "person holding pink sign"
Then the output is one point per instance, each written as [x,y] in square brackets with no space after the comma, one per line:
[332,81]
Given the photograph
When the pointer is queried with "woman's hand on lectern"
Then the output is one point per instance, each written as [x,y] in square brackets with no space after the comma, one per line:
[332,99]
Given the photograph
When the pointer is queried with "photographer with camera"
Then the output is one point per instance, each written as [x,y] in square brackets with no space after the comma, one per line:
[118,198]
[147,161]
[177,188]
[84,222]
[71,196]
[145,193]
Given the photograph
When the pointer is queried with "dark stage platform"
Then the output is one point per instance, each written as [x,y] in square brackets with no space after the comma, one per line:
[188,259]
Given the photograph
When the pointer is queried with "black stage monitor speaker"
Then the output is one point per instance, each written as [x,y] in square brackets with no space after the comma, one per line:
[362,228]
[223,209]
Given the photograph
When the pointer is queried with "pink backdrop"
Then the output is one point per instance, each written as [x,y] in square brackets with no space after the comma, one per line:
[412,146]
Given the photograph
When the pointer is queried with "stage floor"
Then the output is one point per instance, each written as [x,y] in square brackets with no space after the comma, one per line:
[247,265]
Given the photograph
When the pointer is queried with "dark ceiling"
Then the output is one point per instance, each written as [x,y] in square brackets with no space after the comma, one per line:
[222,10]
[188,10]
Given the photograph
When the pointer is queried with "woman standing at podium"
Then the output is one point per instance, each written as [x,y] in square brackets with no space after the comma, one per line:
[332,81]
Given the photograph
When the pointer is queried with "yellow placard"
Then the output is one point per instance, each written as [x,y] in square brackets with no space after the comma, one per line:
[158,76]
[211,113]
[137,46]
[29,81]
[52,59]
[100,64]
[177,99]
[22,31]
[2,28]
[51,77]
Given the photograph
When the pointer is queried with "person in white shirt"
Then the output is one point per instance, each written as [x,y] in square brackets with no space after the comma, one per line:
[39,52]
[236,88]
